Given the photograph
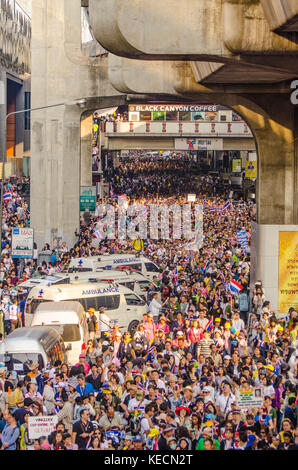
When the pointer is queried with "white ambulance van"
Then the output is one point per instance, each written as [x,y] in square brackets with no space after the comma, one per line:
[93,263]
[121,303]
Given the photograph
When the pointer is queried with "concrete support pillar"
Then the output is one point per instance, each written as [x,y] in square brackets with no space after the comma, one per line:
[277,184]
[60,162]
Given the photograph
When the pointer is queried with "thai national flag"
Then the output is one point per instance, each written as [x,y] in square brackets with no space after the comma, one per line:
[206,266]
[215,209]
[59,268]
[209,325]
[261,344]
[175,278]
[142,388]
[150,248]
[97,235]
[235,287]
[7,196]
[111,192]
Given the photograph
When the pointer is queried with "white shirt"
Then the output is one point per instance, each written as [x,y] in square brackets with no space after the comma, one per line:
[154,307]
[104,322]
[222,400]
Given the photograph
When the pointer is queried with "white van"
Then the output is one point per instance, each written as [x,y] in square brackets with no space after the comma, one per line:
[121,303]
[46,280]
[135,281]
[40,345]
[93,263]
[69,320]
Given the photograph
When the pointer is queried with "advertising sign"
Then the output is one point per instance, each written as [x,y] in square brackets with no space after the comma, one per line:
[22,243]
[236,165]
[199,144]
[39,426]
[193,108]
[288,271]
[250,397]
[251,170]
[88,199]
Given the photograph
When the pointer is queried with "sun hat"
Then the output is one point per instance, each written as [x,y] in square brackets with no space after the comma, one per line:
[179,408]
[45,446]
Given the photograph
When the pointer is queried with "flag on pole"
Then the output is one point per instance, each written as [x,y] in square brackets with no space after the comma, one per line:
[175,278]
[227,204]
[206,266]
[209,325]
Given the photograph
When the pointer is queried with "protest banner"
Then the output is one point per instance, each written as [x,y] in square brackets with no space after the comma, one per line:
[39,426]
[250,397]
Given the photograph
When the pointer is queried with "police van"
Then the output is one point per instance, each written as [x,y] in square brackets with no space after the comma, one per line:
[135,281]
[94,263]
[120,302]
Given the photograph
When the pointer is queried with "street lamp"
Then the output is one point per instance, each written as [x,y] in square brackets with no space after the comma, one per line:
[80,102]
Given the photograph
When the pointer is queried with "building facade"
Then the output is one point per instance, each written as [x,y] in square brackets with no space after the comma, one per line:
[15,93]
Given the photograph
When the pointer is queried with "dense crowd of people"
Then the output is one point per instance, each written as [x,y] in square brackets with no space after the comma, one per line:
[179,382]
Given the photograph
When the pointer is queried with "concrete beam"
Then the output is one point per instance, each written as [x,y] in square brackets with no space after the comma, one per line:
[282,15]
[206,30]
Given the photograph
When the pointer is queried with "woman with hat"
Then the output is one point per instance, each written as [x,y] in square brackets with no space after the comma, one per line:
[183,413]
[49,396]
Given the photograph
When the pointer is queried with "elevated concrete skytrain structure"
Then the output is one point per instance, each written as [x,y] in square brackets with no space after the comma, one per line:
[238,53]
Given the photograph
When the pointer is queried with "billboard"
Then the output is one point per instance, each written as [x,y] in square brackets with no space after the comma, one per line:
[251,170]
[22,243]
[236,165]
[288,271]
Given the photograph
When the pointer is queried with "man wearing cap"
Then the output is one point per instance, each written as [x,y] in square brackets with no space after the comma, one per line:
[92,324]
[84,363]
[128,442]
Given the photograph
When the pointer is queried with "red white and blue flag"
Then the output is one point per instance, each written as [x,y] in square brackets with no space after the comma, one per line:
[175,278]
[97,235]
[7,196]
[209,325]
[206,266]
[227,204]
[235,287]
